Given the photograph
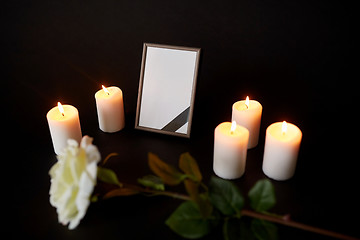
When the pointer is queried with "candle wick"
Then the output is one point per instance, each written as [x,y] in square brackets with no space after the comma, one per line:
[108,93]
[63,114]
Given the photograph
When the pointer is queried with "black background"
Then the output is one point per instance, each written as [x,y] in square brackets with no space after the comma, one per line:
[291,56]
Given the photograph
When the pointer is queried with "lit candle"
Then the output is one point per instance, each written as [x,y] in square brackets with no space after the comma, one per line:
[230,148]
[110,109]
[64,124]
[247,113]
[282,145]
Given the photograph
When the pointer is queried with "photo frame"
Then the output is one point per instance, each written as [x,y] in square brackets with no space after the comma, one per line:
[167,89]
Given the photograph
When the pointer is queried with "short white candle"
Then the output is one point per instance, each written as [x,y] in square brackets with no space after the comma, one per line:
[110,109]
[230,149]
[282,145]
[64,124]
[247,113]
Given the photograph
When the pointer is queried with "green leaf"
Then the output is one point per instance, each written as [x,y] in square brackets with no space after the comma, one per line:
[189,165]
[152,181]
[204,205]
[262,196]
[169,174]
[264,230]
[120,192]
[187,221]
[225,196]
[192,188]
[108,176]
[201,200]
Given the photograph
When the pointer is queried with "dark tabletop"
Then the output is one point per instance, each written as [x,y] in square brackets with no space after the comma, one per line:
[291,56]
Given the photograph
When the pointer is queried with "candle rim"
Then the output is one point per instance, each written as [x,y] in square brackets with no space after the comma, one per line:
[292,134]
[113,92]
[239,131]
[253,105]
[54,112]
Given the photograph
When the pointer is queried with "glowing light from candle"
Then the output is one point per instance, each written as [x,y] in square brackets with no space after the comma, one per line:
[108,93]
[233,127]
[247,102]
[284,127]
[61,109]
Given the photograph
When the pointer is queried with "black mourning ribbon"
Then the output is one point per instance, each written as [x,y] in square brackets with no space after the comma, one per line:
[178,121]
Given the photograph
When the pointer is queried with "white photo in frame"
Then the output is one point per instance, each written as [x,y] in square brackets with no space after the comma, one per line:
[167,89]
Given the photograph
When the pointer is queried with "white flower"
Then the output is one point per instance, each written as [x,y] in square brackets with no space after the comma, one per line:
[73,179]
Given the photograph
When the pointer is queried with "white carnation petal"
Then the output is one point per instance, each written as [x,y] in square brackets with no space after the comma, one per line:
[92,154]
[86,141]
[86,187]
[73,179]
[61,206]
[74,223]
[88,180]
[91,168]
[72,143]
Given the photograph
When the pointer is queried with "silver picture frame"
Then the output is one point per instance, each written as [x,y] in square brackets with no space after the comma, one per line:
[167,86]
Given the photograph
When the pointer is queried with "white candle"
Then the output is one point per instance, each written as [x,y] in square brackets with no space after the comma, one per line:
[230,148]
[64,124]
[110,109]
[247,113]
[282,145]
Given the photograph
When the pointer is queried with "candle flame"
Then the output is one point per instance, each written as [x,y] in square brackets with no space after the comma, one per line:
[61,109]
[284,127]
[247,102]
[233,127]
[108,93]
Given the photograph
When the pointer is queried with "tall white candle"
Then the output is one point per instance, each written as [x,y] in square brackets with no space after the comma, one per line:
[110,109]
[64,124]
[230,149]
[247,113]
[282,145]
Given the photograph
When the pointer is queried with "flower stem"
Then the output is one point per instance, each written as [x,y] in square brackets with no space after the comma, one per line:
[153,192]
[290,223]
[166,193]
[108,157]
